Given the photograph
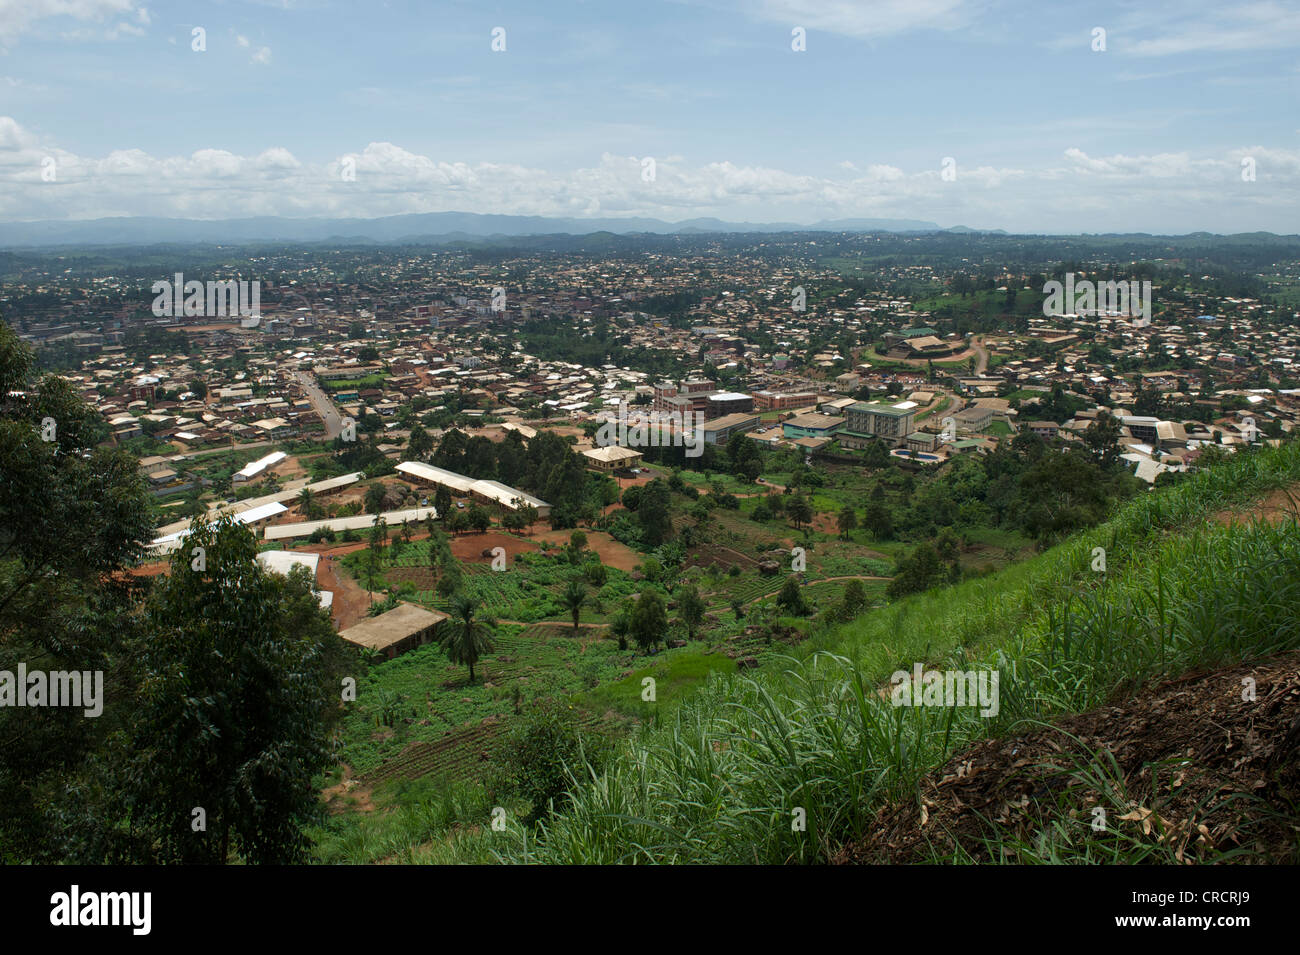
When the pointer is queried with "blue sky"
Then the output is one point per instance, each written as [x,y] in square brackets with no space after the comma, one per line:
[105,109]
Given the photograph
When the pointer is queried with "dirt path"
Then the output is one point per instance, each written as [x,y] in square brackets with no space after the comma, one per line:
[350,599]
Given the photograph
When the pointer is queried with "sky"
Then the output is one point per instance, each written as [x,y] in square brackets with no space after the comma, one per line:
[1034,117]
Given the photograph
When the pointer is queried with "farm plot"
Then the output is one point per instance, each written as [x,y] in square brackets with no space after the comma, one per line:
[461,754]
[467,753]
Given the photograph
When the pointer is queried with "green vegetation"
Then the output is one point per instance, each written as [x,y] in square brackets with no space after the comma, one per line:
[721,778]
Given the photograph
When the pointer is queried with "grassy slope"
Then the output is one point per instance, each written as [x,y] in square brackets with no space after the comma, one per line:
[725,782]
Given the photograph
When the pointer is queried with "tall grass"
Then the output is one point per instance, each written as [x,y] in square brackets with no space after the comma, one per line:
[781,766]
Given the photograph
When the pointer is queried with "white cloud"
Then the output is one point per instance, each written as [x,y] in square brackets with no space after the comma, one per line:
[857,19]
[18,16]
[1222,28]
[1079,192]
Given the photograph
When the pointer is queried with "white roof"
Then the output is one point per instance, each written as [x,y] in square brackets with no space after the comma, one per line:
[260,513]
[427,472]
[493,490]
[611,453]
[254,468]
[360,522]
[283,561]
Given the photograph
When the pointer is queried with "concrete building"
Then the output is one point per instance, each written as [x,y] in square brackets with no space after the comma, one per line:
[973,419]
[812,426]
[724,403]
[719,430]
[867,420]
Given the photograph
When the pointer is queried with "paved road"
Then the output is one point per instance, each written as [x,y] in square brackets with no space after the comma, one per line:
[323,405]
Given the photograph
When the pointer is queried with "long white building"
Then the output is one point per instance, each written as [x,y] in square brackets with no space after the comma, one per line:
[492,491]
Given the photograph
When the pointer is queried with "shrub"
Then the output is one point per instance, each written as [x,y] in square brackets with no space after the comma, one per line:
[541,752]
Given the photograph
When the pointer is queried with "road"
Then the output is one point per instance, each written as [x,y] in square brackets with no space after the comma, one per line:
[323,405]
[977,343]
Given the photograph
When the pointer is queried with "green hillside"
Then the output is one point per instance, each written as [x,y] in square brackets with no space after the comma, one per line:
[804,757]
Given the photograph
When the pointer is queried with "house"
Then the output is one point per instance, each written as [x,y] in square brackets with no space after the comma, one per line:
[612,458]
[1046,430]
[973,419]
[403,628]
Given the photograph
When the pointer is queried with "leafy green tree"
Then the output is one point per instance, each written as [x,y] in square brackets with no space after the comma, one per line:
[648,623]
[1102,440]
[799,510]
[530,517]
[479,519]
[465,638]
[655,513]
[72,516]
[375,498]
[545,753]
[442,502]
[236,705]
[791,598]
[847,521]
[690,609]
[452,577]
[920,570]
[853,602]
[419,444]
[1061,493]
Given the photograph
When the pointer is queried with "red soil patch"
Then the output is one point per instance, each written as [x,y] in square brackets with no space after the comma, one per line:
[469,548]
[611,552]
[350,599]
[1274,508]
[348,795]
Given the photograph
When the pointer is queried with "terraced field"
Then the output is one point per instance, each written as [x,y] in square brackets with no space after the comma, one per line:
[463,753]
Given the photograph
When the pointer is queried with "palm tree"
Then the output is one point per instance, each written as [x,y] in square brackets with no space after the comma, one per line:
[307,503]
[464,638]
[574,596]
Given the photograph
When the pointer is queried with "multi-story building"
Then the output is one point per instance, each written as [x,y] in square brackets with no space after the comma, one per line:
[723,403]
[868,420]
[783,401]
[719,430]
[974,418]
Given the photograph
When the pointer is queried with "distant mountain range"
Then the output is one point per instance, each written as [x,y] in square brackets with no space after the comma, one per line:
[435,226]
